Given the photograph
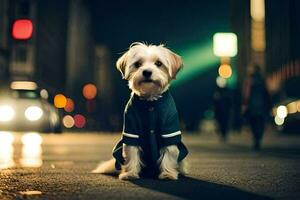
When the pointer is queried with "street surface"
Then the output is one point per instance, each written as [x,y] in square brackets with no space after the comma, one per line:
[60,169]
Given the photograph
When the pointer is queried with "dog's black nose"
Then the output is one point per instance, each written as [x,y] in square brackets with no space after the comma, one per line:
[147,73]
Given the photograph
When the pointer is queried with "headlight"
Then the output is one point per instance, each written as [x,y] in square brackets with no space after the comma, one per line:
[6,113]
[33,113]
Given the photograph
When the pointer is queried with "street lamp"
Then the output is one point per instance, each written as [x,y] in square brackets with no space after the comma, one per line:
[225,44]
[225,47]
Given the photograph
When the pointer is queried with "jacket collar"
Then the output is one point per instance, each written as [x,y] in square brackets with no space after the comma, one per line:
[140,101]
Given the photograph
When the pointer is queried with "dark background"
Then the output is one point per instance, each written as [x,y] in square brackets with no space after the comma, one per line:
[76,42]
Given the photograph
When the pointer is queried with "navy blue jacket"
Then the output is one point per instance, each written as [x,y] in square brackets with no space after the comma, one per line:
[150,125]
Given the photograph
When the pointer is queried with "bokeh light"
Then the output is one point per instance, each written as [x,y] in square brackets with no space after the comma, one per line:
[44,94]
[22,29]
[6,150]
[69,105]
[225,44]
[292,107]
[31,155]
[278,121]
[298,106]
[79,121]
[33,113]
[282,111]
[221,82]
[60,101]
[32,138]
[89,91]
[225,71]
[257,10]
[6,113]
[32,150]
[68,121]
[6,138]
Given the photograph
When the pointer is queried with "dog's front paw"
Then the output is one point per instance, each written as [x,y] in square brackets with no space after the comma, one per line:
[128,176]
[167,175]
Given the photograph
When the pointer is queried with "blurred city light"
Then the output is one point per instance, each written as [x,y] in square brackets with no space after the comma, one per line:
[298,106]
[197,60]
[69,105]
[31,156]
[6,138]
[22,29]
[282,111]
[32,150]
[89,91]
[225,71]
[60,101]
[79,121]
[33,113]
[292,107]
[6,157]
[23,85]
[6,113]
[225,44]
[68,121]
[32,138]
[278,120]
[44,94]
[258,42]
[221,82]
[6,150]
[257,10]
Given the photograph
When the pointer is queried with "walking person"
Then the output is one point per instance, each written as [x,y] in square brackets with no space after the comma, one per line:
[256,105]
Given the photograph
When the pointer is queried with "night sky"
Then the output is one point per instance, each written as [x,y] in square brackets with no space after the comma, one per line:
[175,23]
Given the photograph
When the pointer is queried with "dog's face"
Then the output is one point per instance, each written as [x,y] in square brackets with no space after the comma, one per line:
[149,68]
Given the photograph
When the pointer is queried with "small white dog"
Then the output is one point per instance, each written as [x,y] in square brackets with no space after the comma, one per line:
[151,138]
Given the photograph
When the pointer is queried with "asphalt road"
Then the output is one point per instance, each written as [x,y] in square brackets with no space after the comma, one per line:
[60,169]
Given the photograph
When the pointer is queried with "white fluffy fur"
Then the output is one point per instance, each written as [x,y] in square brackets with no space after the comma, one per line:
[168,163]
[147,57]
[107,167]
[169,168]
[133,163]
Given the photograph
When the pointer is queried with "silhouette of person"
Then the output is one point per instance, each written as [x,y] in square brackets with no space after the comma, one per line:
[256,104]
[222,108]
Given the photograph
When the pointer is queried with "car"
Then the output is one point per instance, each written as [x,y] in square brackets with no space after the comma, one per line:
[24,107]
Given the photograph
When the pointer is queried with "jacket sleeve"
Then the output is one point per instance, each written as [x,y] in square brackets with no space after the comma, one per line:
[171,135]
[170,131]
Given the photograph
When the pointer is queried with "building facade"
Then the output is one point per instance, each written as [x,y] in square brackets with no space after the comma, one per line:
[273,43]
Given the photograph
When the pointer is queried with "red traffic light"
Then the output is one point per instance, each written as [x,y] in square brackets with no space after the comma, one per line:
[22,29]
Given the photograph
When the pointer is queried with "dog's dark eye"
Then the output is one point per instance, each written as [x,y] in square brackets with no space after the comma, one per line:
[158,63]
[137,64]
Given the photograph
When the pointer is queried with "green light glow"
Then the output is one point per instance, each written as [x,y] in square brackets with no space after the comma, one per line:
[196,60]
[233,79]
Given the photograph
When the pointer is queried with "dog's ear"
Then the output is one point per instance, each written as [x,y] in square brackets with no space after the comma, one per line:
[175,64]
[121,64]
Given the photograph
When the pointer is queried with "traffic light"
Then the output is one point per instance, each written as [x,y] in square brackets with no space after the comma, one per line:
[22,29]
